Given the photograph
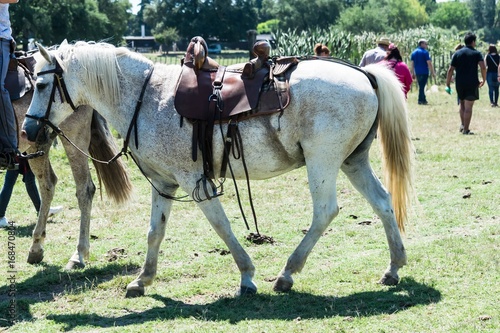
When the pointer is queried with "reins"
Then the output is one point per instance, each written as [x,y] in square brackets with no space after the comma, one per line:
[60,85]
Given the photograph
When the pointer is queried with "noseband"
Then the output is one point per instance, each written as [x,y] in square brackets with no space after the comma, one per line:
[60,85]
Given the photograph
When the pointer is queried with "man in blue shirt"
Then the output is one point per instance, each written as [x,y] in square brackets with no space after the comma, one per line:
[420,67]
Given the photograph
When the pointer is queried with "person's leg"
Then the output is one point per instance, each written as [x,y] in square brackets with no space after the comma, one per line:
[491,86]
[31,188]
[461,111]
[495,92]
[6,193]
[8,128]
[422,82]
[467,115]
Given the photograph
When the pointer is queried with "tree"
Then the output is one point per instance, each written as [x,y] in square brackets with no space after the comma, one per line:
[212,19]
[303,15]
[165,37]
[52,21]
[383,16]
[452,14]
[357,20]
[404,14]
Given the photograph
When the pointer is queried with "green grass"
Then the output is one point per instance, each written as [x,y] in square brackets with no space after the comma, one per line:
[451,282]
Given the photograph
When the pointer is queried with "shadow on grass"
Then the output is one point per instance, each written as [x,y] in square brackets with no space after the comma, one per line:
[50,282]
[27,230]
[287,306]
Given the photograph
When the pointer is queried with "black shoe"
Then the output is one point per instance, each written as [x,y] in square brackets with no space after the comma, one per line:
[8,161]
[423,103]
[468,132]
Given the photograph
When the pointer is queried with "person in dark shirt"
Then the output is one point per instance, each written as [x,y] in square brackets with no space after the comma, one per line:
[467,84]
[492,59]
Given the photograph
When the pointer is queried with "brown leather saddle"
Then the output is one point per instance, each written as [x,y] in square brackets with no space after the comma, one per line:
[19,79]
[208,93]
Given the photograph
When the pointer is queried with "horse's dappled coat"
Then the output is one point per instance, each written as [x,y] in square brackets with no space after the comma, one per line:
[331,121]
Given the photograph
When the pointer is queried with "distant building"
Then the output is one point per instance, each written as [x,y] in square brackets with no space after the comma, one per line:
[142,43]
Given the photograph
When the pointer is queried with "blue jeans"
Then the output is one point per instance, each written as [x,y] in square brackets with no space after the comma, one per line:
[8,128]
[8,186]
[422,82]
[492,80]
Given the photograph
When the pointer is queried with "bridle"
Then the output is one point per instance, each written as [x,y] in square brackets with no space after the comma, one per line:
[60,85]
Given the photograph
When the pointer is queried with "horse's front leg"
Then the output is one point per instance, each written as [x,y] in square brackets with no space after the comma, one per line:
[47,181]
[160,212]
[322,184]
[85,190]
[217,217]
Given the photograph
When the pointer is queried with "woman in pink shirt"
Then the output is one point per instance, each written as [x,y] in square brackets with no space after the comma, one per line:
[394,61]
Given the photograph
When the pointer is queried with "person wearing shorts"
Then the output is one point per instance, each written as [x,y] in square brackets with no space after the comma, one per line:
[467,84]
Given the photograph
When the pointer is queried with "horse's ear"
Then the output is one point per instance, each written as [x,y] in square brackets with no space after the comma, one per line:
[44,53]
[64,43]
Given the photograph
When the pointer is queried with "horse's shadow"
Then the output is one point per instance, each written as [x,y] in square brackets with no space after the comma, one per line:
[47,284]
[287,307]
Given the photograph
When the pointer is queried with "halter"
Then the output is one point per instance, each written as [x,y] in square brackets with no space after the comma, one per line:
[60,85]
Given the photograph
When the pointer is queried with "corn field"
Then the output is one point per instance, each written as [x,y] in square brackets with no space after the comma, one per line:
[349,47]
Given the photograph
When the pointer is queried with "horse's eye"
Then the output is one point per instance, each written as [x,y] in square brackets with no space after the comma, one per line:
[41,86]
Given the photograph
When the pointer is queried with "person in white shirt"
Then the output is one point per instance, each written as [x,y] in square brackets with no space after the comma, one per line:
[377,54]
[8,128]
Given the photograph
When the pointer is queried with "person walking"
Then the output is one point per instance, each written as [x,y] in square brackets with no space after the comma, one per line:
[420,68]
[8,128]
[377,54]
[394,61]
[465,62]
[491,60]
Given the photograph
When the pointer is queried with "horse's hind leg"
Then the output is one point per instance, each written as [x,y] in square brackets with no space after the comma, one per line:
[358,170]
[322,185]
[47,181]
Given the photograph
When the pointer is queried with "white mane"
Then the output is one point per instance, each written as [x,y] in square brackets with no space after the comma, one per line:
[99,61]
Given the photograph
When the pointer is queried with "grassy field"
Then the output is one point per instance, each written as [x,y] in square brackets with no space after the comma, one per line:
[451,282]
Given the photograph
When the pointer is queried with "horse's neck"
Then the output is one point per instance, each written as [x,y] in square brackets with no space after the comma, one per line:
[158,92]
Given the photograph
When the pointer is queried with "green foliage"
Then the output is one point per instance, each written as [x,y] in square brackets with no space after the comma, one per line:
[211,19]
[452,14]
[268,26]
[305,15]
[50,22]
[166,36]
[383,16]
[357,20]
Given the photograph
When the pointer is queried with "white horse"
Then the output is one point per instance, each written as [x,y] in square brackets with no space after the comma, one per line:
[89,132]
[329,125]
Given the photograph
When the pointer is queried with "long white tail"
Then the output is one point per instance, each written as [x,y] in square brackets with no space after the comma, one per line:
[394,135]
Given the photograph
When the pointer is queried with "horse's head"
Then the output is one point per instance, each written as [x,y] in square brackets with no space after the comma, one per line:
[51,102]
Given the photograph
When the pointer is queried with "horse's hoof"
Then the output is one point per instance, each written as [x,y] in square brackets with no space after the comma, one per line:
[388,280]
[35,257]
[135,289]
[283,285]
[136,292]
[71,265]
[246,291]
